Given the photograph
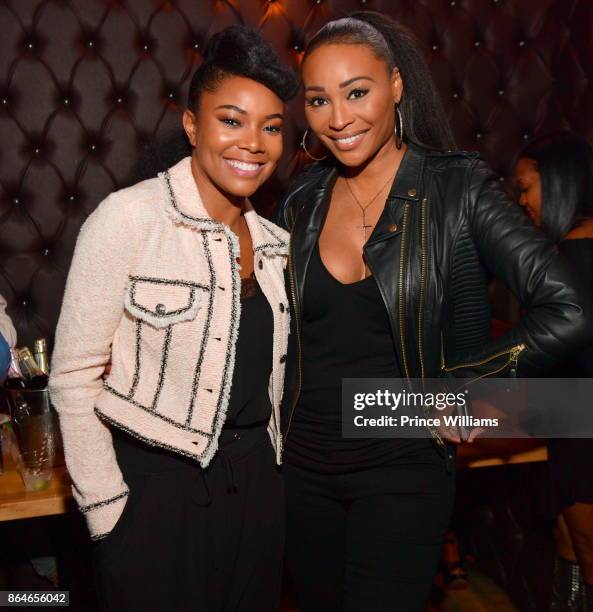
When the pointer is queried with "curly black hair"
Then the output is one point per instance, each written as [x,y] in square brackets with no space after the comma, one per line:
[240,50]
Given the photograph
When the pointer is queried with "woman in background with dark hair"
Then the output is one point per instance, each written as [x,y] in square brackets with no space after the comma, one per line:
[555,178]
[179,283]
[391,235]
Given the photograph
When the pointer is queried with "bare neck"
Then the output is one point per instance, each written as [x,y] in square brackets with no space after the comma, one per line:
[383,164]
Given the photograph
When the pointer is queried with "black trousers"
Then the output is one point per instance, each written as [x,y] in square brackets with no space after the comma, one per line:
[368,541]
[194,540]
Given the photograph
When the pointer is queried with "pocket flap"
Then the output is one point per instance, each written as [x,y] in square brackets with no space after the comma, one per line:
[162,302]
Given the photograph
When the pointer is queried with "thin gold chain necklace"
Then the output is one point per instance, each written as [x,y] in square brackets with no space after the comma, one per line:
[363,209]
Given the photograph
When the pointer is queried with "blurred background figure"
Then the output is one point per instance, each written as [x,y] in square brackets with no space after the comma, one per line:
[555,178]
[7,339]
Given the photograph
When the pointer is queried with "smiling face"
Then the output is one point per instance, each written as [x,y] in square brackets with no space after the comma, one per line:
[237,136]
[350,98]
[530,186]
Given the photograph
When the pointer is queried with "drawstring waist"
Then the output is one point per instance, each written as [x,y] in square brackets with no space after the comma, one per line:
[234,444]
[138,460]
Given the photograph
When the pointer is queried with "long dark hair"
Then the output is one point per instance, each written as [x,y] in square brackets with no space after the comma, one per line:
[565,165]
[425,121]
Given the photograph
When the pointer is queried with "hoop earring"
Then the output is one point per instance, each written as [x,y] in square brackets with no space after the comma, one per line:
[304,147]
[399,127]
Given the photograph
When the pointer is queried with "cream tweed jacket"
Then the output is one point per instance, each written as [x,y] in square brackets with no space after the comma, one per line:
[154,287]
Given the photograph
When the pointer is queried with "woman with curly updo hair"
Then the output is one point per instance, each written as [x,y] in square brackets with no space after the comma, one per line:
[178,282]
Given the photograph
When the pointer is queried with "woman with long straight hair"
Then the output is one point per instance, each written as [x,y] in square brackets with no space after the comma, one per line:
[555,179]
[392,233]
[179,283]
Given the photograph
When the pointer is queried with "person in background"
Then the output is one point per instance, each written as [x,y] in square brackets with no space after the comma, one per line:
[555,177]
[7,339]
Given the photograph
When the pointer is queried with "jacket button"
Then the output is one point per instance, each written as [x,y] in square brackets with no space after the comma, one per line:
[282,307]
[392,227]
[412,192]
[160,309]
[260,264]
[283,359]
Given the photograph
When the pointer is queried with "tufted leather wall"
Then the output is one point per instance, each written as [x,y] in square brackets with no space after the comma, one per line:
[84,85]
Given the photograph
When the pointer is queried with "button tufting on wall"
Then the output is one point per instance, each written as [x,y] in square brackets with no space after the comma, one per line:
[478,136]
[174,32]
[24,303]
[145,44]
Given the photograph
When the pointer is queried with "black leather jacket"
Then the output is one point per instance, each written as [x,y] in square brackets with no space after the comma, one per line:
[447,225]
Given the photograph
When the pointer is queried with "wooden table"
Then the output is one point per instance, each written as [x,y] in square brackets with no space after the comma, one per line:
[18,503]
[490,452]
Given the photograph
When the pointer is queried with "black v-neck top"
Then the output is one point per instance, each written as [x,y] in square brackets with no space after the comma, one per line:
[345,334]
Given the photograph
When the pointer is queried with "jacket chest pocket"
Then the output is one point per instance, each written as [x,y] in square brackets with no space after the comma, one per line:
[159,307]
[163,302]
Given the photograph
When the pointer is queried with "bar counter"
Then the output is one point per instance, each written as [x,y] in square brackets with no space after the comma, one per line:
[18,503]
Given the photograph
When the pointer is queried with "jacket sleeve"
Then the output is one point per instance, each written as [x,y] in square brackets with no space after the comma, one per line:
[92,307]
[559,306]
[7,330]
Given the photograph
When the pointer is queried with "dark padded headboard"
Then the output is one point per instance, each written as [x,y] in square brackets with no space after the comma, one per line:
[85,84]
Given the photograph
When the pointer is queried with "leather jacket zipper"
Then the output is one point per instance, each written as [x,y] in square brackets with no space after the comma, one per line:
[513,352]
[401,292]
[291,275]
[422,282]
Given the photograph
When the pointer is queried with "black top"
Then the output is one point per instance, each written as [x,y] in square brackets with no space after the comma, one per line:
[345,334]
[580,254]
[250,401]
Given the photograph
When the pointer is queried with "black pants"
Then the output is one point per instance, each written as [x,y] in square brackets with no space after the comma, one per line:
[196,540]
[368,541]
